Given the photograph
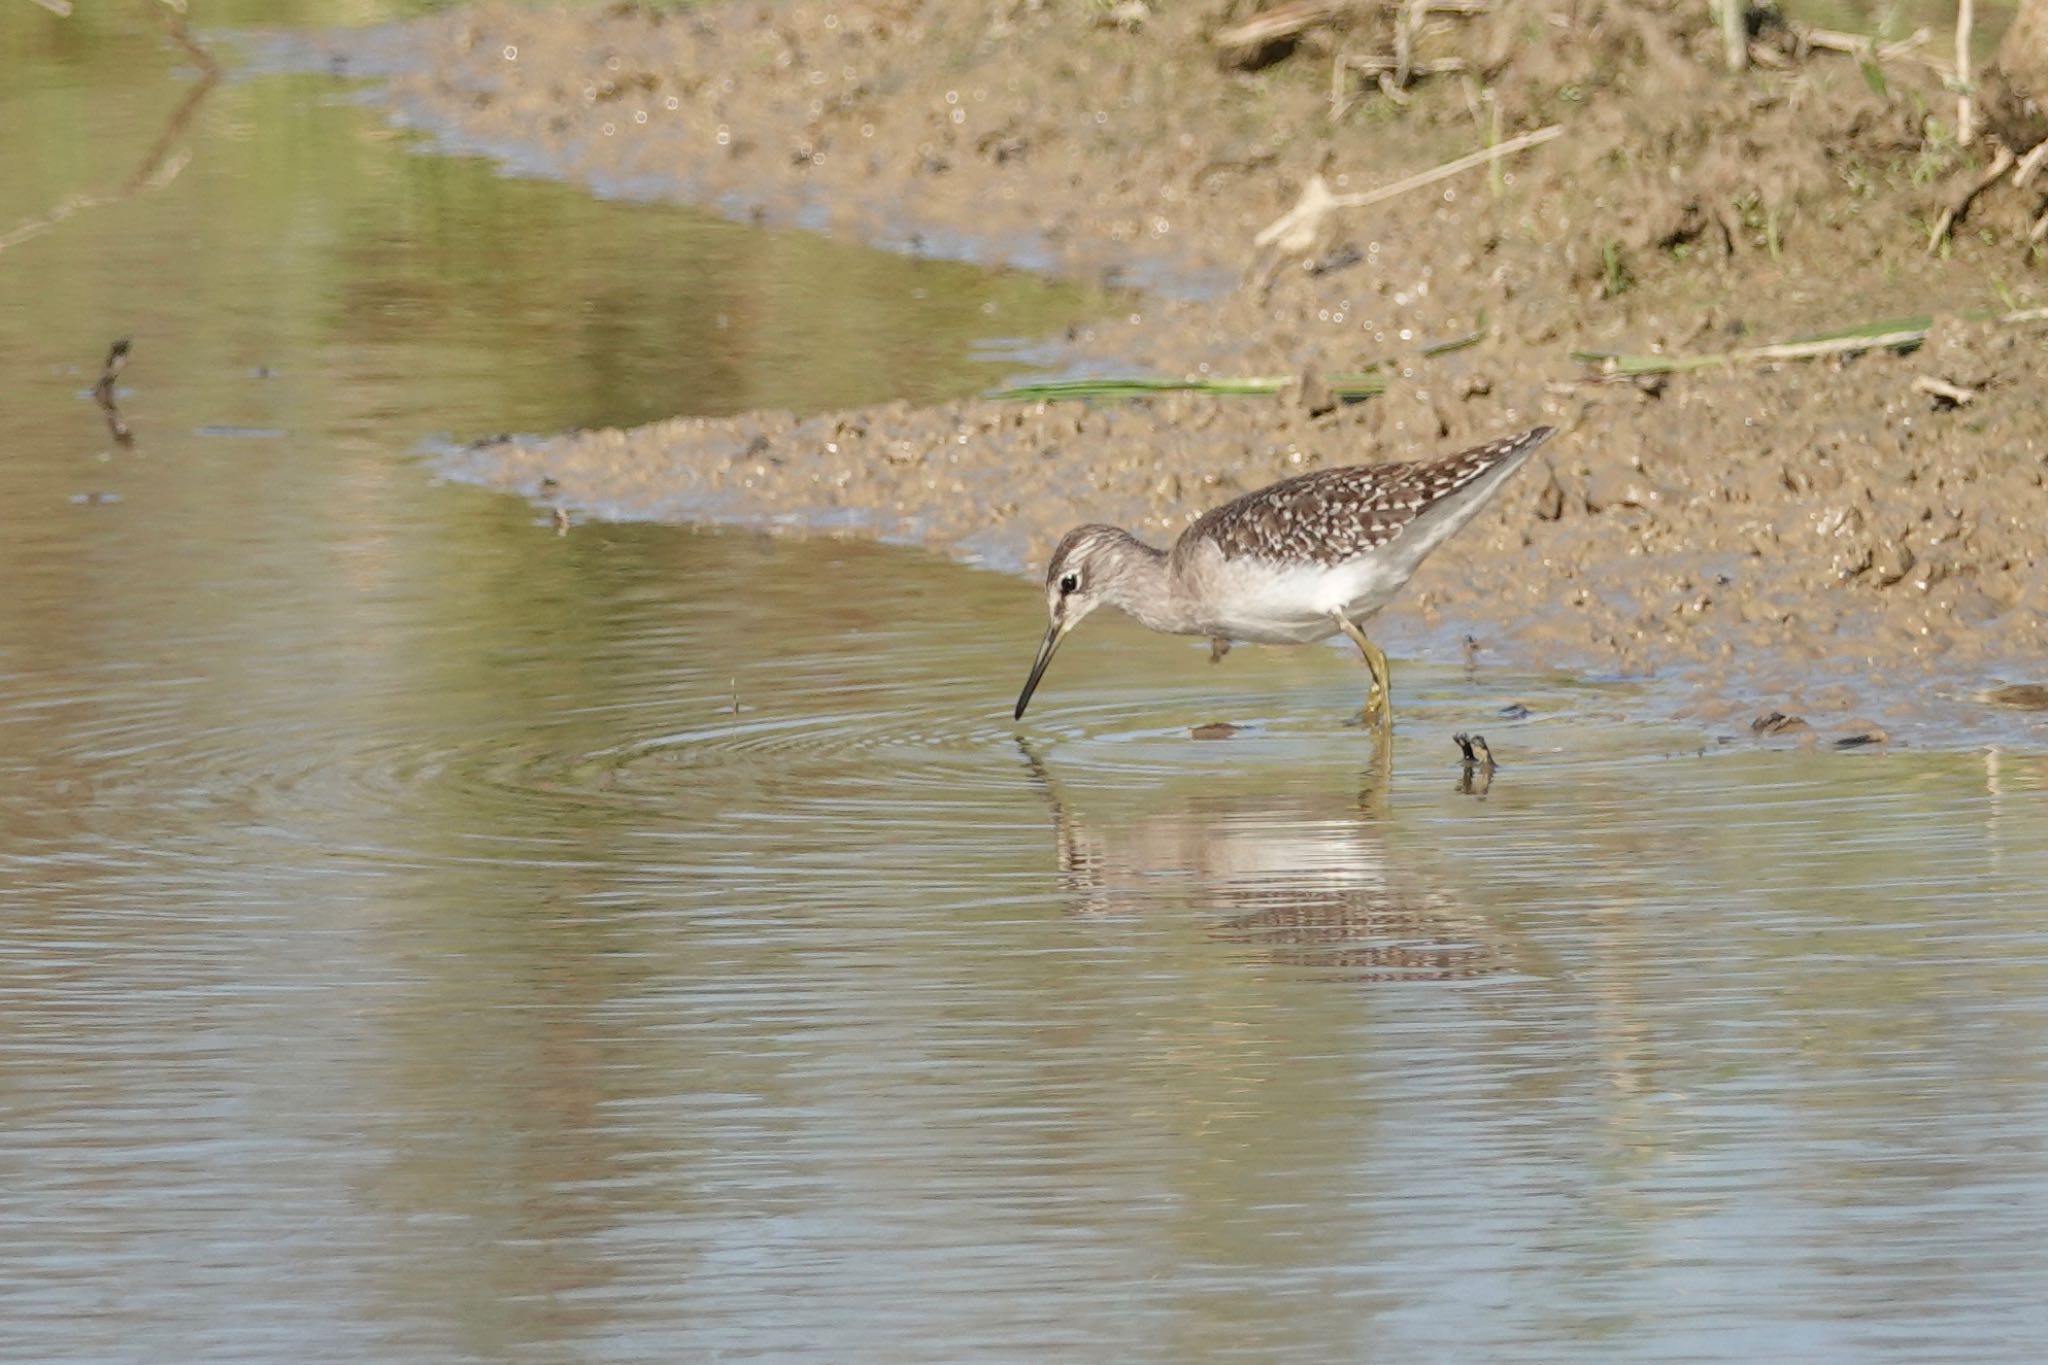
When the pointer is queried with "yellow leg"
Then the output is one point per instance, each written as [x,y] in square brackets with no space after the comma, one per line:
[1379,703]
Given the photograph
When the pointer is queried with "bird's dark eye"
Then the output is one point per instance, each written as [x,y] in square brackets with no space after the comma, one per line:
[1068,583]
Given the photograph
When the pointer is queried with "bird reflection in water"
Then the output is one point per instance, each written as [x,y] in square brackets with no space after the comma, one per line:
[1304,877]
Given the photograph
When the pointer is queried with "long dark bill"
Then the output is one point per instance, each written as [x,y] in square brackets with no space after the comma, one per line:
[1053,636]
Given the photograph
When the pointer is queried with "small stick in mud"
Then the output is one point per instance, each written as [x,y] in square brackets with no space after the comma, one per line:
[2001,162]
[1955,395]
[1863,45]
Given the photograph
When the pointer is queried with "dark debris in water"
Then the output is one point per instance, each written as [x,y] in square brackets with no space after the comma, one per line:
[2023,696]
[1863,739]
[105,393]
[1215,729]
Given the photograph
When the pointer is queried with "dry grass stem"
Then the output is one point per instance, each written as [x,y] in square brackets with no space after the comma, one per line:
[1734,16]
[1862,45]
[1280,22]
[1297,229]
[1896,334]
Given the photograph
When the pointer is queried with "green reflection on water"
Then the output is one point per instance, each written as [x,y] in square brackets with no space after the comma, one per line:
[303,233]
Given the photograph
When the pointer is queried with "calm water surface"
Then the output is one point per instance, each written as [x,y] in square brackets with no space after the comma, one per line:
[424,937]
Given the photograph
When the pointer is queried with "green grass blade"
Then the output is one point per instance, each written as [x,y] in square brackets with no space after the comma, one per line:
[1351,386]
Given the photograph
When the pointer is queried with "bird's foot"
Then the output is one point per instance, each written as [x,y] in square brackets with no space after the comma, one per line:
[1474,751]
[1476,766]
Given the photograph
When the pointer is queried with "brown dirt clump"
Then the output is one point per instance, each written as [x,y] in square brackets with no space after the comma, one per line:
[1818,534]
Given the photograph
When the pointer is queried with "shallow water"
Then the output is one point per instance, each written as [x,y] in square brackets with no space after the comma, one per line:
[429,937]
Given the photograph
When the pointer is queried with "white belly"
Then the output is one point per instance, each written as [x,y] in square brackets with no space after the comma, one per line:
[1266,605]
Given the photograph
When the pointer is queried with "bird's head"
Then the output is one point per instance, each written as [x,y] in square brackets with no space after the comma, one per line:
[1085,568]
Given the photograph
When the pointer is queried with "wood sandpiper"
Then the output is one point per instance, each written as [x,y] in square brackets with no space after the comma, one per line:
[1290,564]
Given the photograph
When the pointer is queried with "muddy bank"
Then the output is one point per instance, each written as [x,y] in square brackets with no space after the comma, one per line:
[1825,535]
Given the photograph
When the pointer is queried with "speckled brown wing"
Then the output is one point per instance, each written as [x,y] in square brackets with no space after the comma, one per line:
[1328,516]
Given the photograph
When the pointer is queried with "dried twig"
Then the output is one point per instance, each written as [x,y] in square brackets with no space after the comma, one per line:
[1397,70]
[1277,24]
[1377,65]
[2029,164]
[1734,15]
[1942,389]
[1385,71]
[1864,46]
[1966,108]
[1296,230]
[2001,162]
[1764,55]
[1409,15]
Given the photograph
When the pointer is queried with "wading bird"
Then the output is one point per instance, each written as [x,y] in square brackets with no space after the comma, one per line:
[1290,564]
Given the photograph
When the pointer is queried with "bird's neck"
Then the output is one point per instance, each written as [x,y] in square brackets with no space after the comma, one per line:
[1142,587]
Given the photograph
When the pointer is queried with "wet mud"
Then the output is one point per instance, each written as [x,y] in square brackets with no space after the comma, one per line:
[1849,538]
